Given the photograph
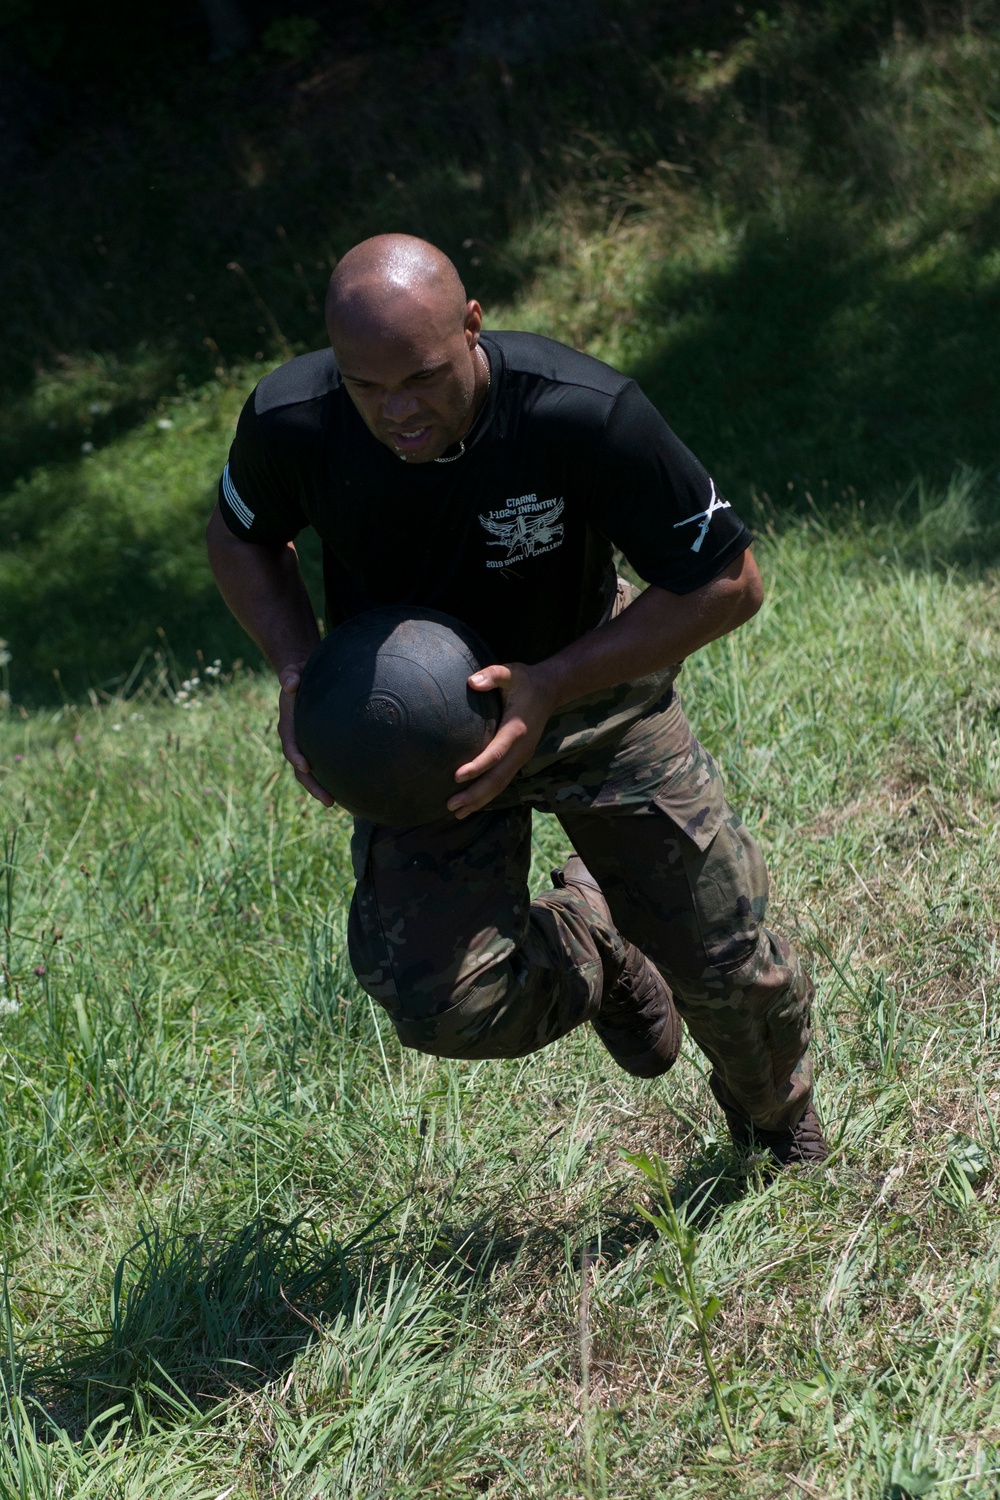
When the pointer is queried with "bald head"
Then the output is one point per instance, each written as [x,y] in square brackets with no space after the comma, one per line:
[407,344]
[393,279]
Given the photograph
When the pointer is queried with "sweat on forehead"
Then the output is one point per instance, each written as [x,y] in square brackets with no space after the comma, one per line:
[393,275]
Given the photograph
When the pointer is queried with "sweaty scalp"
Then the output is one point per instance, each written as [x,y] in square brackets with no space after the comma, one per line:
[389,277]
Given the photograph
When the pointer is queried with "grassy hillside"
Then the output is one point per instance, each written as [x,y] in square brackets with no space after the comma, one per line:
[783,221]
[251,1248]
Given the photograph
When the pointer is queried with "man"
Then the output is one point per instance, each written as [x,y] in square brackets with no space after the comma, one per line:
[490,476]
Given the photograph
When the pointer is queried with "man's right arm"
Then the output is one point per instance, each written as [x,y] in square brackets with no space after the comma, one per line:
[263,587]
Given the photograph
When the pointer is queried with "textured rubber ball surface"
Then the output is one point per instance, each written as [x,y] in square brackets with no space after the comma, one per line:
[385,716]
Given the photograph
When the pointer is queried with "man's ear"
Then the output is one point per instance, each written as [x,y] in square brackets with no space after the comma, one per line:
[473,321]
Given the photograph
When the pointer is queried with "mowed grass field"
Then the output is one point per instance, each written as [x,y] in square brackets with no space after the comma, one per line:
[251,1248]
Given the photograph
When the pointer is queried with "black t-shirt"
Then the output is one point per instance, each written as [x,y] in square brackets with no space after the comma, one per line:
[566,460]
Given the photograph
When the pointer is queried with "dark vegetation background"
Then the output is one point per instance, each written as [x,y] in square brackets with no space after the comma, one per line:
[783,219]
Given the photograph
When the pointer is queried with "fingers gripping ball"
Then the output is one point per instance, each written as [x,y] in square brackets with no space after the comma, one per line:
[385,716]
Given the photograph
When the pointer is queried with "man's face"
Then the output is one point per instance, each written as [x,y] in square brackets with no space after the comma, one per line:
[412,377]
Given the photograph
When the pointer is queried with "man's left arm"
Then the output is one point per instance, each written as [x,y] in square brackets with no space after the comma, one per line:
[660,628]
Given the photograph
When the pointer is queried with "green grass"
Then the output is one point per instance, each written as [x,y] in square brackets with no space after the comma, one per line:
[247,1242]
[249,1248]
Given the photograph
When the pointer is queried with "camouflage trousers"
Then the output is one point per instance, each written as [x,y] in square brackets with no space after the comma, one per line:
[444,935]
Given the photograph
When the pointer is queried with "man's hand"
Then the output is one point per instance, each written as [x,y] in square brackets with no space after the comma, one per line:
[658,630]
[289,677]
[528,704]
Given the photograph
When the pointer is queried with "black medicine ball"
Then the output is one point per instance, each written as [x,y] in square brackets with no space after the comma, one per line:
[385,716]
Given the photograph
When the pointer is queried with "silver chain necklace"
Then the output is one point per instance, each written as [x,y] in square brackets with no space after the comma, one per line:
[489,382]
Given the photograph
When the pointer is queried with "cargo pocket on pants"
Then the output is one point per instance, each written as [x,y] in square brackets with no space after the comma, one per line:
[726,875]
[693,797]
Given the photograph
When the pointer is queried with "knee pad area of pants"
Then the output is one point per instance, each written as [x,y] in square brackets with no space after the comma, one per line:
[698,967]
[477,1026]
[730,959]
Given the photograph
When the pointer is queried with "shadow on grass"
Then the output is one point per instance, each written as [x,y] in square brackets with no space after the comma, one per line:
[817,366]
[128,234]
[194,1321]
[96,581]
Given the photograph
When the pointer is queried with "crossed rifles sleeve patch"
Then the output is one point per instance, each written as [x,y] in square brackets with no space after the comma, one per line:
[715,503]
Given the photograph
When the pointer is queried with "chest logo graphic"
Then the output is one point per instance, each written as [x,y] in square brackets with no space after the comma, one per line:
[526,527]
[715,503]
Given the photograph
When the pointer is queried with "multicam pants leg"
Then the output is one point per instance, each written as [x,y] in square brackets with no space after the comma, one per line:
[698,914]
[444,935]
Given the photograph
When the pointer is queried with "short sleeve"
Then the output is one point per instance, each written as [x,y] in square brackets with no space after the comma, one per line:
[257,491]
[654,501]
